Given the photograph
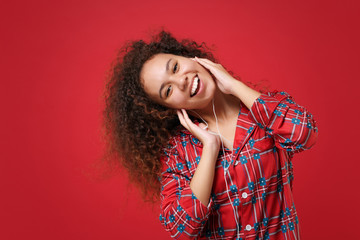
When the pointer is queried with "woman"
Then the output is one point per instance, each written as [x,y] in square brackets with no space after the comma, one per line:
[220,149]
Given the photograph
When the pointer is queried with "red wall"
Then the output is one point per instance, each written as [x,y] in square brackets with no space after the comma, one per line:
[54,57]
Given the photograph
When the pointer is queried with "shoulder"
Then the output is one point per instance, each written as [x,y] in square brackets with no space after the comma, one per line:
[172,157]
[182,138]
[178,146]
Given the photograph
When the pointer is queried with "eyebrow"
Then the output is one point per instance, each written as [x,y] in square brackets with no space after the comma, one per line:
[167,69]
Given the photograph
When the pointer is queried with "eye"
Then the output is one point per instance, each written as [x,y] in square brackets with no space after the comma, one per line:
[175,67]
[168,91]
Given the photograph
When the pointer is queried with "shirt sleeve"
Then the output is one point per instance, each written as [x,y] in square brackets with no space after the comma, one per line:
[292,126]
[182,214]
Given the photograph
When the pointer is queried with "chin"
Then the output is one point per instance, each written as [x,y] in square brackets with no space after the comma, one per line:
[205,104]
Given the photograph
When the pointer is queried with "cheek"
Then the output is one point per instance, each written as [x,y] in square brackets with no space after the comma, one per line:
[177,98]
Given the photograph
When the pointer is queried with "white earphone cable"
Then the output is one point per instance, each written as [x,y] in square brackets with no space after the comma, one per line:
[217,126]
[224,156]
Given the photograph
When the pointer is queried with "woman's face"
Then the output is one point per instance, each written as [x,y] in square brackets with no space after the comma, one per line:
[177,82]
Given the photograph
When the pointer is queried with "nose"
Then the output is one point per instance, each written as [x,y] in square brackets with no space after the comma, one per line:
[181,81]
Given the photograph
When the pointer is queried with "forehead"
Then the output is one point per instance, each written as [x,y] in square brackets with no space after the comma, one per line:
[156,64]
[153,73]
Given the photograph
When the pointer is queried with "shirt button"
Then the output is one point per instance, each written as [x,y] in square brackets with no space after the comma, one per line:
[248,227]
[244,195]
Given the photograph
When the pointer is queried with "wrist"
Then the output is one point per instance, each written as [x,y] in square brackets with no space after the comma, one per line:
[237,88]
[212,148]
[246,94]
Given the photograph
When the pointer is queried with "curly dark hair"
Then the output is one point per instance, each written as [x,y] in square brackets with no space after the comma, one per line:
[136,128]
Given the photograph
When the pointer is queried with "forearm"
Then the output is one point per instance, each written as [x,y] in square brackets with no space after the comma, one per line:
[246,94]
[202,181]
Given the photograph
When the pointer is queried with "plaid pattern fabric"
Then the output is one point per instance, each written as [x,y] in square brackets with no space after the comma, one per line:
[252,190]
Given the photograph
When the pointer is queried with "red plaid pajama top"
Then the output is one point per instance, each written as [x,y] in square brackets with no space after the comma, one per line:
[252,190]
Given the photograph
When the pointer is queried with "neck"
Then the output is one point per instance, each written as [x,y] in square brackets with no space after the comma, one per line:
[226,106]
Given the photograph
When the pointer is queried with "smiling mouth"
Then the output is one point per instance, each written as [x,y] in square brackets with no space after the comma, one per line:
[195,86]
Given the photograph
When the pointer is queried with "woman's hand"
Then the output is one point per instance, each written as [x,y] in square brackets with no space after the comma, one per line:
[223,79]
[205,137]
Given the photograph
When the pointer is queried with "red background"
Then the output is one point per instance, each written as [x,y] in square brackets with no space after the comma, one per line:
[54,58]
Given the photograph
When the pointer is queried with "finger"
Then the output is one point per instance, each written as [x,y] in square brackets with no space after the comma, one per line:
[209,65]
[192,126]
[184,124]
[186,116]
[182,120]
[205,60]
[205,64]
[189,122]
[203,126]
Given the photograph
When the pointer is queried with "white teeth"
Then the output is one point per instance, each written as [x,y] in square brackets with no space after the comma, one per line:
[194,86]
